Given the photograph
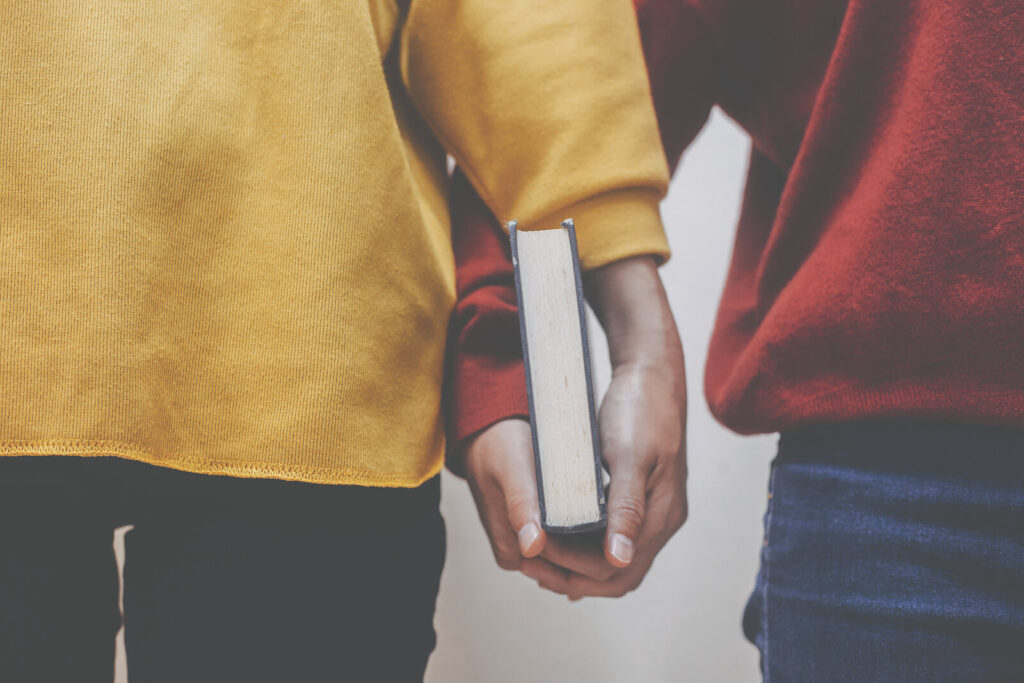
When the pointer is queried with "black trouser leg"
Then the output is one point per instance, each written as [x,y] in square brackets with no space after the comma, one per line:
[58,577]
[256,580]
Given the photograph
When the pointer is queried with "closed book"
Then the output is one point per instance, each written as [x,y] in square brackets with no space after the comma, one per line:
[553,326]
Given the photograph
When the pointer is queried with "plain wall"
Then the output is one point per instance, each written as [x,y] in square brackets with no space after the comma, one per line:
[683,624]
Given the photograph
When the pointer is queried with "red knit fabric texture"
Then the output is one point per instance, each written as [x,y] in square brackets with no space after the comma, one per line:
[878,269]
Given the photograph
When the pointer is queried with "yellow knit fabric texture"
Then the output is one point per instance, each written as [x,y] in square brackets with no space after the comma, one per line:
[224,241]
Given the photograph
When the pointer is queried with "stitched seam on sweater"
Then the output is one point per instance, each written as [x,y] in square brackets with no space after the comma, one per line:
[92,448]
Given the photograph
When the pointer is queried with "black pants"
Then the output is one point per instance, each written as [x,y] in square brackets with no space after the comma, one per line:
[226,579]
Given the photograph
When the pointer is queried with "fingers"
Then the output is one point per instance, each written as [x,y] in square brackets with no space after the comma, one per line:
[575,586]
[593,576]
[580,555]
[526,518]
[578,586]
[646,505]
[547,575]
[626,498]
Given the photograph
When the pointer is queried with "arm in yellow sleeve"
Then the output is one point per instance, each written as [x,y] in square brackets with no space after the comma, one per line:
[546,106]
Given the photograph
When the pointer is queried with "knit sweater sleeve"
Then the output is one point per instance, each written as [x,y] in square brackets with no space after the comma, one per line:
[681,65]
[547,109]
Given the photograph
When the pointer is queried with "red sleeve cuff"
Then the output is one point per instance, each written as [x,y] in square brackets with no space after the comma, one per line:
[485,381]
[486,391]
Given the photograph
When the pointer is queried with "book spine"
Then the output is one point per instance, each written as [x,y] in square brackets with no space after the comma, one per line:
[602,504]
[512,230]
[570,227]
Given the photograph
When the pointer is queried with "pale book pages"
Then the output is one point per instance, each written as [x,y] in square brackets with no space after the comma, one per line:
[550,310]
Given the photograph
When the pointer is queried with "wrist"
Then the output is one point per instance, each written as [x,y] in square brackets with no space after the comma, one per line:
[632,306]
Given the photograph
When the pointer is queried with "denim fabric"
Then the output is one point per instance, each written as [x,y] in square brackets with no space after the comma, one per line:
[894,551]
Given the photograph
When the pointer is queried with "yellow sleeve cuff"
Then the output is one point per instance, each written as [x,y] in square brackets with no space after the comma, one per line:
[615,225]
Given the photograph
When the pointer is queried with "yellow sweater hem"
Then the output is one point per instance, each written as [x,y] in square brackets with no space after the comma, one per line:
[202,465]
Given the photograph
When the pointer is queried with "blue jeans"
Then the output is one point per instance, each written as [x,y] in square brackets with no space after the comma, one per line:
[894,551]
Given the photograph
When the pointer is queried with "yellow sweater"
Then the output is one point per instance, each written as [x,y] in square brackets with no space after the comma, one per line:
[224,241]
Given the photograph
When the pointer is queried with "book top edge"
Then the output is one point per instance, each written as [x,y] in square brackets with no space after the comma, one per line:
[513,225]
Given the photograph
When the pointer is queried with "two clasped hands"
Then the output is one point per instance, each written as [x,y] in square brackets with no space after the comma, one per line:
[642,424]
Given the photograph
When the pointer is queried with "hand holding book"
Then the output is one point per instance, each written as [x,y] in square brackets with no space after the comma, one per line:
[642,426]
[498,465]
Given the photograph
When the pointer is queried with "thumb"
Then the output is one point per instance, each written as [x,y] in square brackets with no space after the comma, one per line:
[523,508]
[625,514]
[524,516]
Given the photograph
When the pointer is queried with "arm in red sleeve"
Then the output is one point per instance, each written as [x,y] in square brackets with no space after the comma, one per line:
[681,66]
[486,381]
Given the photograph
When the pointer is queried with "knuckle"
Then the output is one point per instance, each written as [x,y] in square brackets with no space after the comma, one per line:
[506,558]
[520,506]
[675,525]
[677,515]
[506,563]
[629,585]
[629,510]
[625,585]
[619,590]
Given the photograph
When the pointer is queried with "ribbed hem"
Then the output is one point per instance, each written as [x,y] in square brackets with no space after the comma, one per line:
[615,225]
[781,407]
[201,465]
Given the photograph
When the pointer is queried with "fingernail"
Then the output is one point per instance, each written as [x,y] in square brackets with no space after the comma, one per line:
[527,535]
[621,548]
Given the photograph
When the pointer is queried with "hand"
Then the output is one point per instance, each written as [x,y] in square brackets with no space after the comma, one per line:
[498,464]
[643,439]
[499,467]
[642,425]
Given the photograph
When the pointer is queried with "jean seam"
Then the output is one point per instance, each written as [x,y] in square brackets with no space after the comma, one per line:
[766,673]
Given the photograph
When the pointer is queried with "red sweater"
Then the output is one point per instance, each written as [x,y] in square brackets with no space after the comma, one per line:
[878,269]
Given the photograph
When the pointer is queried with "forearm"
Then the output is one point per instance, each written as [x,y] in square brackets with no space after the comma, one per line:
[631,303]
[547,109]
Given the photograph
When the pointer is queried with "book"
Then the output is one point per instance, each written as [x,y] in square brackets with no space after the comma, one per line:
[559,385]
